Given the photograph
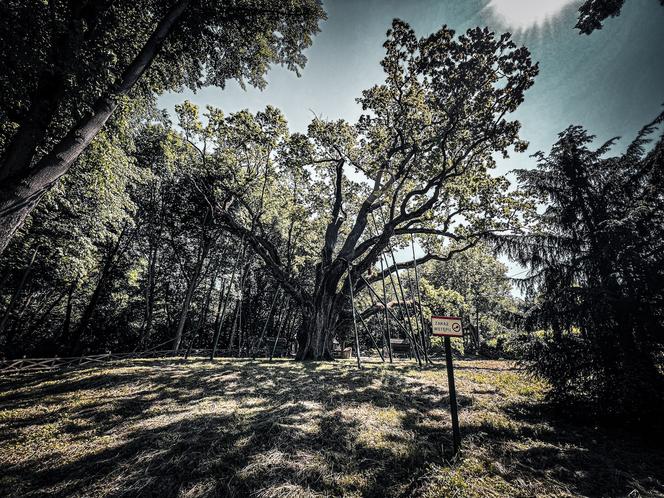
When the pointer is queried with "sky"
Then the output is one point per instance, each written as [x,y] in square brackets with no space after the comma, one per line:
[611,82]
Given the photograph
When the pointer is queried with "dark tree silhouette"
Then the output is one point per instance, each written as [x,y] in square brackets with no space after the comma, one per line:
[594,12]
[596,257]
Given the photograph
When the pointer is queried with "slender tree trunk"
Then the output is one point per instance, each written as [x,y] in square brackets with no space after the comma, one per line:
[191,288]
[243,279]
[202,318]
[66,324]
[184,310]
[238,261]
[18,322]
[111,260]
[224,294]
[231,340]
[220,303]
[149,295]
[44,316]
[15,297]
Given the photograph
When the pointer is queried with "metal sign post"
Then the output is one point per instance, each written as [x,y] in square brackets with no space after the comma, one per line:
[446,327]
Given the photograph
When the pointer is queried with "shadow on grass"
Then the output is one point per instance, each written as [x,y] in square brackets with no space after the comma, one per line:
[241,428]
[578,458]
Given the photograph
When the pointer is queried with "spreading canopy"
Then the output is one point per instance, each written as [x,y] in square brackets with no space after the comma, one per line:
[417,162]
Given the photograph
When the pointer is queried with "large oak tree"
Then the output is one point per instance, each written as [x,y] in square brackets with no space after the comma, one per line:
[416,163]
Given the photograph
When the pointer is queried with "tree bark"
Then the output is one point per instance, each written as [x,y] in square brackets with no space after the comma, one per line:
[66,324]
[318,325]
[153,256]
[44,316]
[202,318]
[25,185]
[186,303]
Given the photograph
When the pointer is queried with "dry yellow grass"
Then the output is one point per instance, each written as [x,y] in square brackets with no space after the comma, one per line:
[277,429]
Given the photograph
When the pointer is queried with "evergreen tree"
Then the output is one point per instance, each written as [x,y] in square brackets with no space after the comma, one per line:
[596,257]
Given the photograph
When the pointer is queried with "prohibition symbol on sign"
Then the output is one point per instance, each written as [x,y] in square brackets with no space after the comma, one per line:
[446,326]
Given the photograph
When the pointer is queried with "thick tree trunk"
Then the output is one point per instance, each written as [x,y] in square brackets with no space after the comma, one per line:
[316,332]
[23,185]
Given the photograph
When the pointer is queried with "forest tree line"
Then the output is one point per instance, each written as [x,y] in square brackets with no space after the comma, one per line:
[131,256]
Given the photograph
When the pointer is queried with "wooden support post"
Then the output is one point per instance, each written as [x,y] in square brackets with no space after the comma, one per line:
[373,341]
[405,305]
[415,345]
[419,332]
[254,347]
[387,343]
[396,295]
[419,302]
[456,433]
[386,332]
[282,325]
[352,301]
[403,327]
[274,346]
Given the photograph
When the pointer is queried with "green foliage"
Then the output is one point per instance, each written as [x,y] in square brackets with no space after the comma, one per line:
[74,52]
[442,301]
[171,225]
[417,163]
[72,65]
[474,285]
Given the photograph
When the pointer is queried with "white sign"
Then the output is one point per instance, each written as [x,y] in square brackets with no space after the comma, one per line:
[447,326]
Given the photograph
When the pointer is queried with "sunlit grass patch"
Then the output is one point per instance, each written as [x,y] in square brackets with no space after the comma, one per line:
[508,383]
[257,428]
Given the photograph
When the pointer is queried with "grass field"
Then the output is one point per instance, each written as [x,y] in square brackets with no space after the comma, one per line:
[254,428]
